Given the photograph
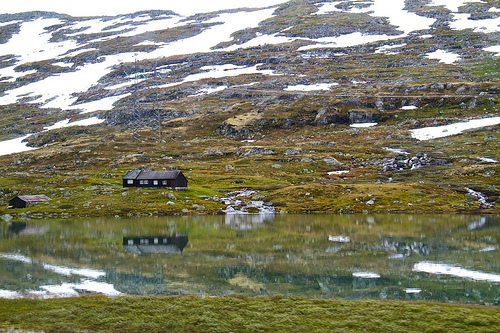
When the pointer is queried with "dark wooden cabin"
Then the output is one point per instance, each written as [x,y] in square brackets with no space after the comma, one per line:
[173,179]
[25,201]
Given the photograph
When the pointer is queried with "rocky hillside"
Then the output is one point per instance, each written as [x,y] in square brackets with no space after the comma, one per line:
[319,105]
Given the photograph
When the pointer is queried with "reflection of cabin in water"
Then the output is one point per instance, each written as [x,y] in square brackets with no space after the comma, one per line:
[23,228]
[155,244]
[160,179]
[25,201]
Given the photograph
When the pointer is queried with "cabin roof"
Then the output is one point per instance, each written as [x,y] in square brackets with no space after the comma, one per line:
[147,174]
[34,198]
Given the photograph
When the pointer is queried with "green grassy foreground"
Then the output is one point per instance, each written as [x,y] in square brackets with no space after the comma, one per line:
[241,314]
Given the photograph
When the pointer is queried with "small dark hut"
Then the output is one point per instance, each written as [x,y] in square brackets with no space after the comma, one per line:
[173,179]
[25,201]
[155,244]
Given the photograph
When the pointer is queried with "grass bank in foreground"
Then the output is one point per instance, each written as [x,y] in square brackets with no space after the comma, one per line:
[241,314]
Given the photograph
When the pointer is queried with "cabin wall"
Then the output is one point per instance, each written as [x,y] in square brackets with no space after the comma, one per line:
[17,203]
[180,183]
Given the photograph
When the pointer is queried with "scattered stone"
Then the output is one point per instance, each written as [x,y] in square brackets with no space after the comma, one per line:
[332,161]
[170,203]
[258,151]
[198,207]
[291,151]
[7,217]
[405,162]
[276,166]
[171,196]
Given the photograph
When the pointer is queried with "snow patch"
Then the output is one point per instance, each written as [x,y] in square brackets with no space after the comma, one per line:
[208,91]
[487,160]
[387,49]
[98,105]
[17,145]
[311,87]
[495,49]
[396,150]
[480,197]
[363,125]
[239,206]
[337,172]
[14,146]
[219,71]
[429,133]
[443,56]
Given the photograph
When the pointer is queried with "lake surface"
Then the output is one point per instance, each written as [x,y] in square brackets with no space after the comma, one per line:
[448,258]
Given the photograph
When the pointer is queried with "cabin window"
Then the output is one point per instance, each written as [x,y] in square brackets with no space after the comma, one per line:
[155,182]
[164,182]
[130,242]
[130,181]
[144,182]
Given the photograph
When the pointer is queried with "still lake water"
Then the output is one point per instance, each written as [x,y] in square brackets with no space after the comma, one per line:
[448,258]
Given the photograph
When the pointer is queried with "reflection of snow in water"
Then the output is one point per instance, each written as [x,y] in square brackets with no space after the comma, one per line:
[479,224]
[366,275]
[413,290]
[443,269]
[488,249]
[339,239]
[247,221]
[65,289]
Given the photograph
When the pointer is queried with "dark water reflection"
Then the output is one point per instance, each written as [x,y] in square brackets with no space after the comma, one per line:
[451,258]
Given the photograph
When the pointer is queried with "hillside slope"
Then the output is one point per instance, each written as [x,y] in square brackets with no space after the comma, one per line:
[316,105]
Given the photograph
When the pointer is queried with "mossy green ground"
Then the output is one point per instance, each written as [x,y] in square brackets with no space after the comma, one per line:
[241,314]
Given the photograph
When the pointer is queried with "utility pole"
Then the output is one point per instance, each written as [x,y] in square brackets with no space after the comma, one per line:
[136,122]
[156,115]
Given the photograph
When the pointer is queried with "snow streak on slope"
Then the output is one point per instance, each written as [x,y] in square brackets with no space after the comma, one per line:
[18,145]
[58,90]
[61,90]
[429,133]
[32,42]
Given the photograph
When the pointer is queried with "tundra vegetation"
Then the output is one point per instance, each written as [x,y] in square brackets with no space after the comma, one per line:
[297,149]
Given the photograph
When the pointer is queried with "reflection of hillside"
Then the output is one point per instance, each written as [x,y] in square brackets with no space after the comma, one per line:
[247,221]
